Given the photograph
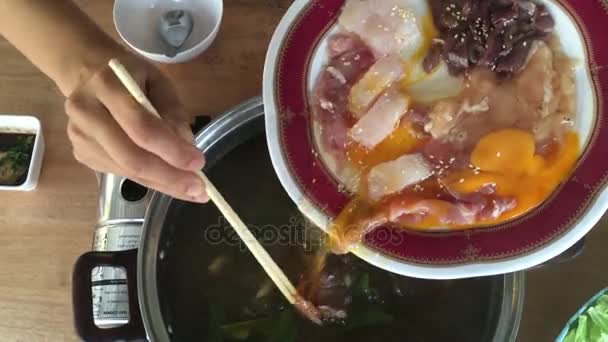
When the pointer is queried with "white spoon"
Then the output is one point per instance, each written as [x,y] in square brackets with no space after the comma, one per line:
[175,28]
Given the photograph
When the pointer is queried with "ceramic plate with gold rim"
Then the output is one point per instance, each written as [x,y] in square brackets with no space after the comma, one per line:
[296,57]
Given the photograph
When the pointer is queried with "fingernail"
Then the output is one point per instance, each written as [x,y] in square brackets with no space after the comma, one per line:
[196,190]
[197,164]
[201,199]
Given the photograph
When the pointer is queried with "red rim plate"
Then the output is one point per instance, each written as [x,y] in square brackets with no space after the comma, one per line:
[544,225]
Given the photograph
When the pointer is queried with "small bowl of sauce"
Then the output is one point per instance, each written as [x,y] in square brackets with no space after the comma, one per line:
[21,151]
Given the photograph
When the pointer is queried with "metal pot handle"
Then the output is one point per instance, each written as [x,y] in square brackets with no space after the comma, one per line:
[82,297]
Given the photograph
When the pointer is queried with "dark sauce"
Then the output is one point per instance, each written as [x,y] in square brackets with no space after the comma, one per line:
[15,157]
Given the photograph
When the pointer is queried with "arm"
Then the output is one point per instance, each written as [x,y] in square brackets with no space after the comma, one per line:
[109,130]
[63,43]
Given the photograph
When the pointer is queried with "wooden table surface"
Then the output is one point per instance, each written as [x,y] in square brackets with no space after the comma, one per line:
[43,232]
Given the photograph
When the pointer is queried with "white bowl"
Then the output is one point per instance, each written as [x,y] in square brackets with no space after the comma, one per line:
[30,125]
[137,23]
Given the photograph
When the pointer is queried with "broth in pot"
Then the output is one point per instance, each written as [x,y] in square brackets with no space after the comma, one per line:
[214,290]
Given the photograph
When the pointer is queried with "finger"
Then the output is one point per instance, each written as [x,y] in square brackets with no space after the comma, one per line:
[168,190]
[89,153]
[134,161]
[95,157]
[183,130]
[147,131]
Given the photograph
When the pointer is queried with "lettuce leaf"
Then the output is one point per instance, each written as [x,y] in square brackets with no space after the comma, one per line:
[570,336]
[596,334]
[602,304]
[581,330]
[600,318]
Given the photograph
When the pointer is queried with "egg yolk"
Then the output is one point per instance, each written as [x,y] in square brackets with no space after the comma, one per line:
[348,227]
[509,151]
[507,161]
[402,141]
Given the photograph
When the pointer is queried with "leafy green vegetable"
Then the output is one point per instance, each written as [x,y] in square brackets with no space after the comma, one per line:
[361,287]
[217,316]
[570,336]
[581,330]
[602,304]
[281,327]
[600,318]
[361,315]
[241,330]
[592,325]
[285,329]
[20,153]
[14,161]
[595,333]
[367,318]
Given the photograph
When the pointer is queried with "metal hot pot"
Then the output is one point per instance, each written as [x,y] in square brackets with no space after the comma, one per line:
[154,292]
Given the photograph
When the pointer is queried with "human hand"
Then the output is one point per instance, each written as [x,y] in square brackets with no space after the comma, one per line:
[110,132]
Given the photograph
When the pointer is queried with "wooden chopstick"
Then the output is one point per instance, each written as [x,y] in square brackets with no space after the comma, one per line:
[270,267]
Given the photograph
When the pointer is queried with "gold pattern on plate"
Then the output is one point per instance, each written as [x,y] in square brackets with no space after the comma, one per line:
[471,252]
[287,157]
[604,4]
[308,61]
[288,116]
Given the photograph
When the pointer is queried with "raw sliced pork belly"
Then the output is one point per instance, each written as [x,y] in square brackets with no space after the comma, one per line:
[387,26]
[393,176]
[381,119]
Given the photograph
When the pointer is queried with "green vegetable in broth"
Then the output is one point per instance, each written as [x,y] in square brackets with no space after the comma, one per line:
[242,330]
[282,326]
[370,317]
[277,328]
[286,329]
[217,315]
[362,288]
